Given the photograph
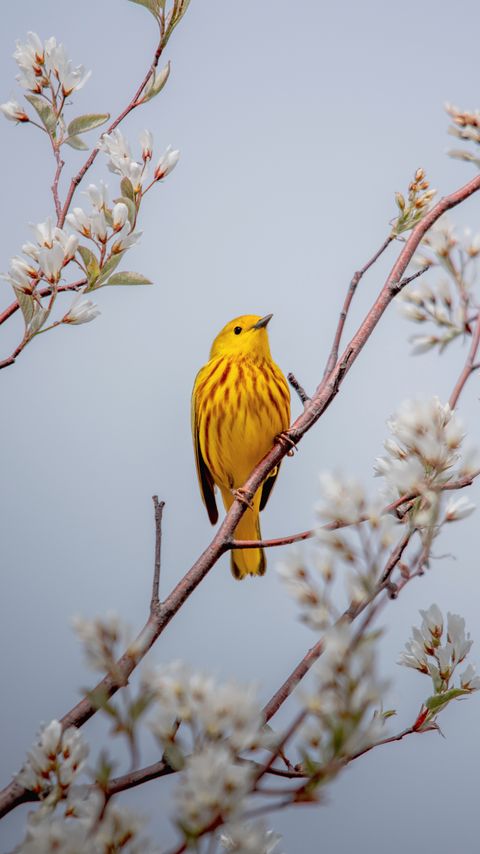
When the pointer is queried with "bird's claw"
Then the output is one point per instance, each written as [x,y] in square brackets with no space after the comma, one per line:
[286,441]
[243,496]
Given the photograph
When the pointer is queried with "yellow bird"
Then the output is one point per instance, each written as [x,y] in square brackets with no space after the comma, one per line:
[240,403]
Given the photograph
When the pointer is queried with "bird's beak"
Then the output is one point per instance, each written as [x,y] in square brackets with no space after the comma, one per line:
[263,322]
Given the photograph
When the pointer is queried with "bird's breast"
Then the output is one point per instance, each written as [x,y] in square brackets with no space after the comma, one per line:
[242,405]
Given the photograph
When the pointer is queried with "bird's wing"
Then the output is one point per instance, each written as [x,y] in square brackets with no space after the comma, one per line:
[205,479]
[267,488]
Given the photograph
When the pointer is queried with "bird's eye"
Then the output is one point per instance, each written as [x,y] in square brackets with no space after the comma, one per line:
[237,330]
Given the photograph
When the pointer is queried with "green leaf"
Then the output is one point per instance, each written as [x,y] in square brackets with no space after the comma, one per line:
[156,83]
[125,278]
[108,268]
[76,142]
[132,210]
[87,122]
[91,265]
[40,315]
[44,110]
[26,303]
[173,756]
[438,701]
[151,5]
[126,187]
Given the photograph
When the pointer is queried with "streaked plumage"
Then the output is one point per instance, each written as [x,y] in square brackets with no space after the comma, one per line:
[240,402]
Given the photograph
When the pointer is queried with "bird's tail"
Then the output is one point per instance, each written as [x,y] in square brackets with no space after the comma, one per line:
[246,561]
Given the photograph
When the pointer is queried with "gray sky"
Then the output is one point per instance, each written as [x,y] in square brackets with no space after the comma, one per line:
[296,124]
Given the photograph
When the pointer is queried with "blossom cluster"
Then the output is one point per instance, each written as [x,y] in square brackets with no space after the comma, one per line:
[436,650]
[415,206]
[446,302]
[87,824]
[466,127]
[422,456]
[344,716]
[121,162]
[203,726]
[352,532]
[53,763]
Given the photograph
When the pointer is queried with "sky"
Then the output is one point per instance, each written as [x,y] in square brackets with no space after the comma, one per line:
[296,126]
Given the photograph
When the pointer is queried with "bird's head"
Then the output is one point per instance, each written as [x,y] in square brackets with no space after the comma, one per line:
[243,336]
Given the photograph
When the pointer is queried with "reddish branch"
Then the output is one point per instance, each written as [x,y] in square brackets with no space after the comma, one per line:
[395,506]
[321,399]
[470,365]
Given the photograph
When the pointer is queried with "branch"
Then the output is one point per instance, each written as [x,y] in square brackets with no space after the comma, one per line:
[470,365]
[461,483]
[321,400]
[158,505]
[332,359]
[304,398]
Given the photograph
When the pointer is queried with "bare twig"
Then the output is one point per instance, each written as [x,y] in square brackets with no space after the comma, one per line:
[321,400]
[60,165]
[469,367]
[304,398]
[333,356]
[158,505]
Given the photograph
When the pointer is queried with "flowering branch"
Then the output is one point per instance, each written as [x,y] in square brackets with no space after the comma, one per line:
[403,502]
[323,396]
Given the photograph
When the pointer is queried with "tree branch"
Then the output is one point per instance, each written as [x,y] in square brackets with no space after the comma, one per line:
[461,483]
[469,367]
[304,398]
[321,400]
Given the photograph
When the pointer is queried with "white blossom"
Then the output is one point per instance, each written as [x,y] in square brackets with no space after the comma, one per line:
[441,237]
[99,226]
[80,221]
[57,62]
[469,680]
[51,262]
[14,112]
[146,143]
[461,643]
[53,763]
[98,195]
[427,436]
[44,233]
[432,621]
[458,508]
[100,636]
[125,239]
[249,838]
[167,162]
[120,160]
[211,784]
[29,57]
[119,215]
[81,311]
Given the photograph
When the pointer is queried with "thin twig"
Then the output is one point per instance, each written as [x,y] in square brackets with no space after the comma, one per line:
[60,165]
[320,401]
[469,367]
[332,359]
[158,505]
[304,398]
[406,499]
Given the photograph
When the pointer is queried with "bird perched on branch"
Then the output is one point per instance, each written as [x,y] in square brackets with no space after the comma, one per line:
[240,404]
